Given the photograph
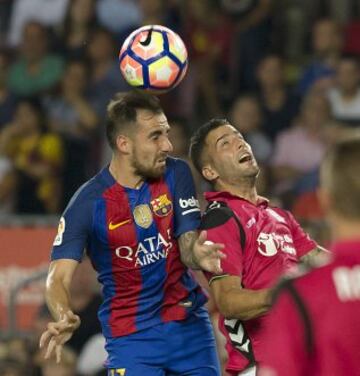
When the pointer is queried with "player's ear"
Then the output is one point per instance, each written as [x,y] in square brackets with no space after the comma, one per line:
[209,173]
[123,144]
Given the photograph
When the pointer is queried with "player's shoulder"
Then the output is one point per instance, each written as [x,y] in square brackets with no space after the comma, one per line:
[88,192]
[173,163]
[216,214]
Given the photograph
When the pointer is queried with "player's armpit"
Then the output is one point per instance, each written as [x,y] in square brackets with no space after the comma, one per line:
[235,302]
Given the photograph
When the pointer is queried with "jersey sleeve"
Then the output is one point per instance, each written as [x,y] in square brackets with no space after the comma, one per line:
[186,206]
[221,227]
[74,228]
[302,241]
[284,340]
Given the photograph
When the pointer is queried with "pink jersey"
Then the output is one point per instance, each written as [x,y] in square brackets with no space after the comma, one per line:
[272,244]
[314,329]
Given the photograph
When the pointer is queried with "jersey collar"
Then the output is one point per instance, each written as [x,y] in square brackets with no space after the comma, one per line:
[227,196]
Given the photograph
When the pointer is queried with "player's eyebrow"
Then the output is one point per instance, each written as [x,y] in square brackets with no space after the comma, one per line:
[221,137]
[235,132]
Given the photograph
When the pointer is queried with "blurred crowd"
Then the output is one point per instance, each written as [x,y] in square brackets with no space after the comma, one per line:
[286,73]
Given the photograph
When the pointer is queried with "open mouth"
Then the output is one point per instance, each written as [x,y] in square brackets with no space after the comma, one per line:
[246,157]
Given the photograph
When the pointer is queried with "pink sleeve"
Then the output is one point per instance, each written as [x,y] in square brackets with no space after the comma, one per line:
[228,234]
[284,341]
[302,241]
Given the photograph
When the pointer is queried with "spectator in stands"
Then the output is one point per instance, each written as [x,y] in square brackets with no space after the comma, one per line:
[5,12]
[36,70]
[7,99]
[327,44]
[85,302]
[71,113]
[119,23]
[37,157]
[48,13]
[279,105]
[299,150]
[153,12]
[251,39]
[67,366]
[12,367]
[105,79]
[345,95]
[207,34]
[75,32]
[246,116]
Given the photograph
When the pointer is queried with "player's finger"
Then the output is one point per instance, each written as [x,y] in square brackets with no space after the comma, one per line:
[44,338]
[50,348]
[202,237]
[58,350]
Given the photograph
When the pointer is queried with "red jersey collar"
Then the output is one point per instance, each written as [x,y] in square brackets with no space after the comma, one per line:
[227,196]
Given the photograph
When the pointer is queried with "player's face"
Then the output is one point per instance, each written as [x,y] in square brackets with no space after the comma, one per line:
[230,156]
[151,145]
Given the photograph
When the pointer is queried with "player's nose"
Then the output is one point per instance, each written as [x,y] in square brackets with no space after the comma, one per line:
[167,146]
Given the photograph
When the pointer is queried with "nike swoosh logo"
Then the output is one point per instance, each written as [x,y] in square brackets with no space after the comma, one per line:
[113,226]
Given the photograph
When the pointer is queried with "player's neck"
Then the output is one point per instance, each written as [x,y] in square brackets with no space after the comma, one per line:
[124,174]
[246,190]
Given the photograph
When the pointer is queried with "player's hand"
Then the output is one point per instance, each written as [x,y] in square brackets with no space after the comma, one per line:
[58,333]
[208,254]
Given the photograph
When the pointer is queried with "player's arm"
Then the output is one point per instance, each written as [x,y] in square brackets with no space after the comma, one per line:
[315,255]
[307,250]
[235,302]
[66,254]
[197,253]
[57,292]
[57,295]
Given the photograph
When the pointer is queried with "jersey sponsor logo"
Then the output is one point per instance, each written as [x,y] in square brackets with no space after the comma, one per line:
[191,204]
[61,229]
[114,226]
[250,223]
[143,216]
[118,372]
[149,251]
[161,205]
[270,244]
[347,283]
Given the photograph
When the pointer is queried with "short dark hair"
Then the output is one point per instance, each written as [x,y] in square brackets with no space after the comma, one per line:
[122,112]
[197,142]
[341,179]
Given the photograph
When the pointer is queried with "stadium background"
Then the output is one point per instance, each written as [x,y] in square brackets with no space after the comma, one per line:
[285,72]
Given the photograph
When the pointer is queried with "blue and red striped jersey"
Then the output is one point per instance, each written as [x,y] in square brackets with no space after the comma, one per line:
[131,236]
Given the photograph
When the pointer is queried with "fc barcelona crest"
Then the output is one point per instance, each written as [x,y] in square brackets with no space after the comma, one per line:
[143,216]
[161,205]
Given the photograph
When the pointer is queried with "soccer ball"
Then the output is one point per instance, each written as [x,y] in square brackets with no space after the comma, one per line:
[153,58]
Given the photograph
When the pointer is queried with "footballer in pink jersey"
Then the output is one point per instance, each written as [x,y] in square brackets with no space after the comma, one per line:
[261,242]
[314,329]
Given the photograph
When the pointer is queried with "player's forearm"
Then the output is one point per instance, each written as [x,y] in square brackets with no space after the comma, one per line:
[186,245]
[57,297]
[244,304]
[316,255]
